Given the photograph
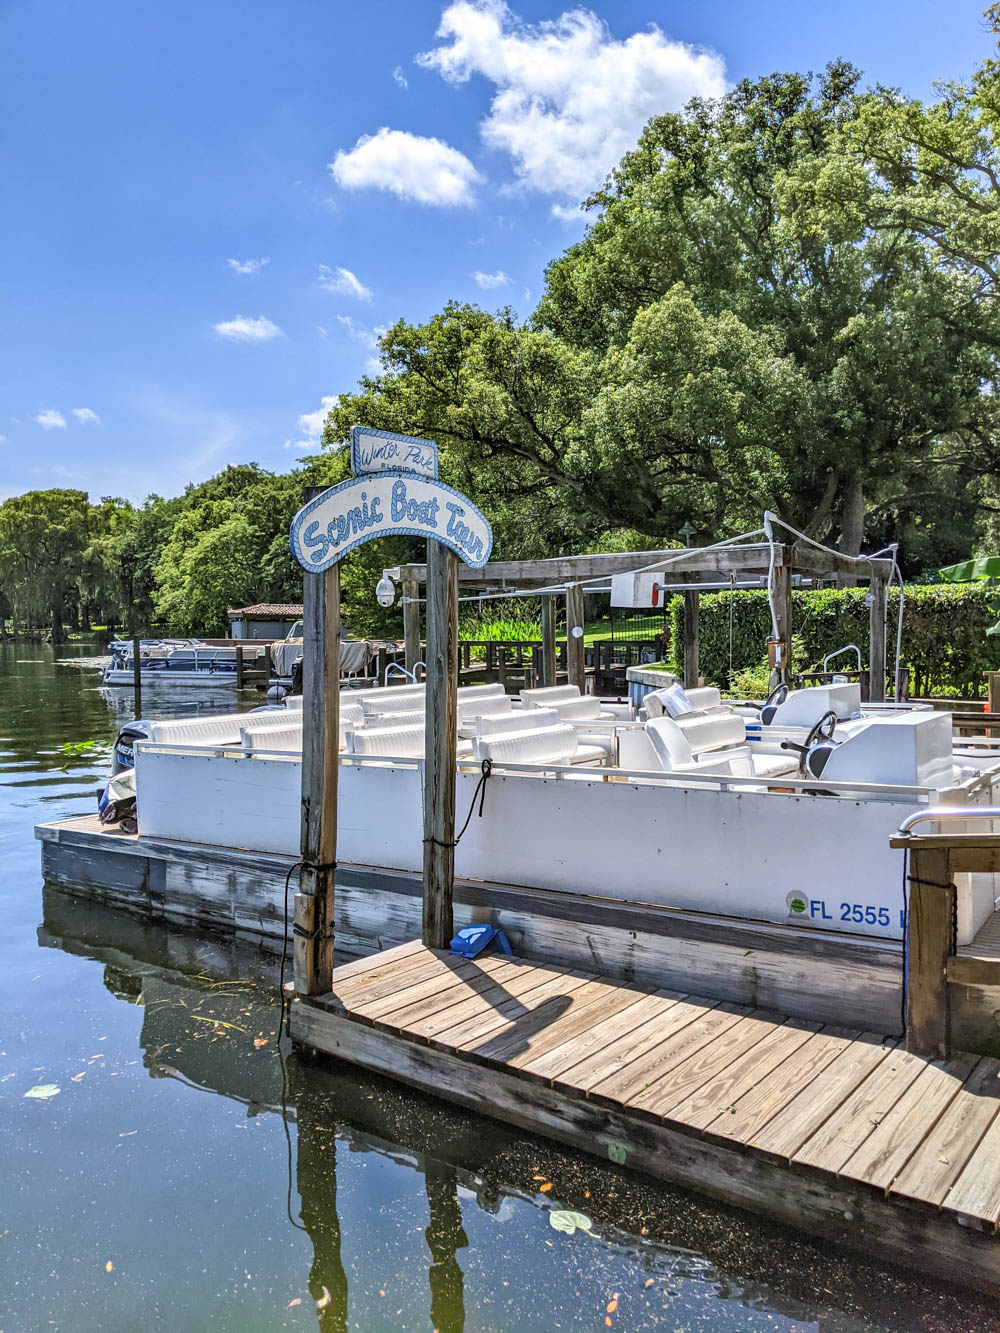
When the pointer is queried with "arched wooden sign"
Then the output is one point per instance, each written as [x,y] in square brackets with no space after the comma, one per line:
[388,504]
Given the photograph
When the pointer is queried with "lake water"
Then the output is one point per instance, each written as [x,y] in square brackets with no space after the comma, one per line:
[188,1172]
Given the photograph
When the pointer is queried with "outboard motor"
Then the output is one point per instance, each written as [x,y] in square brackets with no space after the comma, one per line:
[123,753]
[116,803]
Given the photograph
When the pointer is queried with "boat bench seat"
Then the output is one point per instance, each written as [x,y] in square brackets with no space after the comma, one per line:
[495,690]
[207,731]
[412,719]
[496,724]
[544,696]
[584,708]
[547,745]
[381,705]
[675,701]
[287,736]
[392,742]
[470,709]
[712,742]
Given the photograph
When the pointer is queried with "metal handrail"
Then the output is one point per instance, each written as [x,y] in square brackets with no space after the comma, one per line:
[944,812]
[847,648]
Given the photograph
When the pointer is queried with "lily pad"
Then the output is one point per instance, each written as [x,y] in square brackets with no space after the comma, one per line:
[565,1219]
[42,1090]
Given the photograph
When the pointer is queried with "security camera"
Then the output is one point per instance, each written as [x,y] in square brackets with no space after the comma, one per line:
[385,591]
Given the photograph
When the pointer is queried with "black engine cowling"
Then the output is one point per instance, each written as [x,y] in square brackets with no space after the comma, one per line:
[123,753]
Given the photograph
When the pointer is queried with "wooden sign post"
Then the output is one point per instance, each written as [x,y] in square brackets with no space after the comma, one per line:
[314,903]
[395,491]
[440,745]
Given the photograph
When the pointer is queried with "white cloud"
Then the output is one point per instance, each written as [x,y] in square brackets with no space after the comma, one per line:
[343,281]
[369,337]
[570,98]
[243,329]
[400,77]
[311,425]
[50,419]
[427,171]
[247,265]
[85,416]
[3,439]
[490,281]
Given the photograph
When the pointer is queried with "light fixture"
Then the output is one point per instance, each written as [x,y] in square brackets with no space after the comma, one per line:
[385,590]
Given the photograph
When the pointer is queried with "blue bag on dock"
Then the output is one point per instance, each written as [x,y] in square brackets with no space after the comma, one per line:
[472,940]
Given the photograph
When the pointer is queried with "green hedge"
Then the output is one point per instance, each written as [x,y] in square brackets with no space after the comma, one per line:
[944,633]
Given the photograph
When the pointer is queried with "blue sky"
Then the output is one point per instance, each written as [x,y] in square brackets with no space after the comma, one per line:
[208,209]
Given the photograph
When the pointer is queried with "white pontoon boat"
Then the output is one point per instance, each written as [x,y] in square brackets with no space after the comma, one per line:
[781,814]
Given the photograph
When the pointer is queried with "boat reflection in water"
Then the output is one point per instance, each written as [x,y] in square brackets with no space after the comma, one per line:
[421,1215]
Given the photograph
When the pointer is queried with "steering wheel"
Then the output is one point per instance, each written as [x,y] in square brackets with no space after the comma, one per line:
[819,731]
[769,707]
[822,730]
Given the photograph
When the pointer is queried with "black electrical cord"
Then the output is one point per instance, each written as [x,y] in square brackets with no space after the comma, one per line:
[485,773]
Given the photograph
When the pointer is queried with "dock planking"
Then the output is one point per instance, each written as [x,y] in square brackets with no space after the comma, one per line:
[834,1130]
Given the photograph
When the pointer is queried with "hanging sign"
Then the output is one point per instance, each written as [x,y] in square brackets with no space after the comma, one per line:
[388,505]
[382,451]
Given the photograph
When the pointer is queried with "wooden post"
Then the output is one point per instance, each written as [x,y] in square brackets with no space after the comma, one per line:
[876,633]
[411,624]
[137,674]
[691,627]
[240,666]
[782,588]
[502,664]
[548,641]
[575,663]
[930,933]
[442,735]
[313,949]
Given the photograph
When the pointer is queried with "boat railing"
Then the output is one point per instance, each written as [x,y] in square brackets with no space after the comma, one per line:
[784,785]
[847,648]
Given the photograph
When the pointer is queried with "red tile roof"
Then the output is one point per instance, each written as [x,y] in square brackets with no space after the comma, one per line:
[262,609]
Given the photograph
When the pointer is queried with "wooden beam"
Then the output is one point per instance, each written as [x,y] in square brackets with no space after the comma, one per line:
[691,635]
[749,559]
[411,623]
[575,664]
[314,903]
[441,742]
[930,942]
[548,642]
[877,591]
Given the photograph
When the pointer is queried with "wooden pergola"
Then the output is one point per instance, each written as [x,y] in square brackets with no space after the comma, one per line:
[568,577]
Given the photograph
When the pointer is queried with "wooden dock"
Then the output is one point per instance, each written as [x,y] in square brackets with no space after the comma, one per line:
[838,1132]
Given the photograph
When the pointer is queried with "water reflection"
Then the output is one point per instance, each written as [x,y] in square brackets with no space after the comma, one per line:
[419,1215]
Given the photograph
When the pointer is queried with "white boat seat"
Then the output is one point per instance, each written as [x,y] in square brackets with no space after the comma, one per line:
[711,731]
[413,719]
[383,706]
[285,737]
[408,742]
[543,696]
[470,709]
[548,745]
[224,730]
[293,702]
[495,690]
[711,743]
[675,701]
[392,742]
[584,708]
[391,692]
[496,724]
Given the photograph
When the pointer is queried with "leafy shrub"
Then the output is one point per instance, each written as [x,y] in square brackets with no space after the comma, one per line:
[502,621]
